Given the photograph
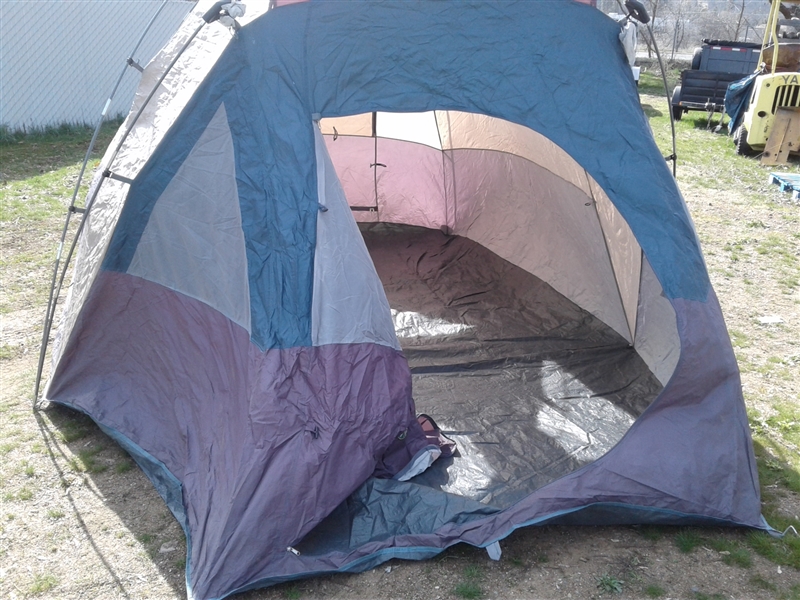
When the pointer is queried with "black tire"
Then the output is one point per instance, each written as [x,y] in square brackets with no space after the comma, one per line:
[740,138]
[677,111]
[698,54]
[637,10]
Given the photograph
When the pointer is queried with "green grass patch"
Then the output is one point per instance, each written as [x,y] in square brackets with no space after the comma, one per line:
[791,283]
[757,581]
[473,572]
[292,592]
[731,552]
[608,584]
[42,583]
[687,540]
[651,82]
[739,339]
[145,538]
[775,440]
[792,594]
[470,588]
[123,467]
[25,494]
[654,591]
[706,157]
[778,247]
[704,596]
[72,431]
[55,514]
[9,351]
[86,461]
[49,149]
[739,557]
[785,551]
[41,197]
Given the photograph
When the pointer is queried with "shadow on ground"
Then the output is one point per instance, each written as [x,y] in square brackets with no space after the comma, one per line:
[107,471]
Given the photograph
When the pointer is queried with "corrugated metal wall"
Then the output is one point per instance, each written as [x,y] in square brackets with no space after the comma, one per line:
[60,59]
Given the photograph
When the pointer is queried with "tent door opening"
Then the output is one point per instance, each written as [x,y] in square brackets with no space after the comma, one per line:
[529,385]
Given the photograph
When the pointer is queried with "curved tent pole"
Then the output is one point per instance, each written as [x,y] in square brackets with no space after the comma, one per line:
[55,288]
[674,156]
[53,298]
[636,10]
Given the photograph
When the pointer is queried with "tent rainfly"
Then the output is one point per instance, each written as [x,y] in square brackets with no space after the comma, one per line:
[334,216]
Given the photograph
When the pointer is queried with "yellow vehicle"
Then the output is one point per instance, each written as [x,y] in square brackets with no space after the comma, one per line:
[778,86]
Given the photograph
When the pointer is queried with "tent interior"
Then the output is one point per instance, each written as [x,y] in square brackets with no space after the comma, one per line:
[534,328]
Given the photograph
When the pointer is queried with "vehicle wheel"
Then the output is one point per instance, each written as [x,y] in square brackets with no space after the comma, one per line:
[677,111]
[740,138]
[698,54]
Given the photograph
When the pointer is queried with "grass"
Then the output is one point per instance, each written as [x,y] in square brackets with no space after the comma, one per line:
[71,426]
[761,583]
[123,466]
[608,584]
[43,152]
[292,592]
[469,588]
[24,494]
[8,351]
[86,461]
[687,540]
[42,583]
[793,594]
[654,591]
[785,552]
[704,596]
[706,158]
[652,83]
[38,174]
[731,552]
[776,439]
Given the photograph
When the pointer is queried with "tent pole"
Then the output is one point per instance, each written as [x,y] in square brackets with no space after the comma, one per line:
[624,8]
[674,156]
[55,289]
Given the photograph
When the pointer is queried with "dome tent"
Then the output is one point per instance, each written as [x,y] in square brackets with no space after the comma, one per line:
[348,213]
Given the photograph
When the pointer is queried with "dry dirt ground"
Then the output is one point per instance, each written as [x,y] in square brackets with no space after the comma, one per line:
[79,520]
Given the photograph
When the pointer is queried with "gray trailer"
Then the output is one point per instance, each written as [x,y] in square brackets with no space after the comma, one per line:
[714,65]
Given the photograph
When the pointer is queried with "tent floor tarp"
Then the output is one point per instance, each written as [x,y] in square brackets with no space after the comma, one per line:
[529,386]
